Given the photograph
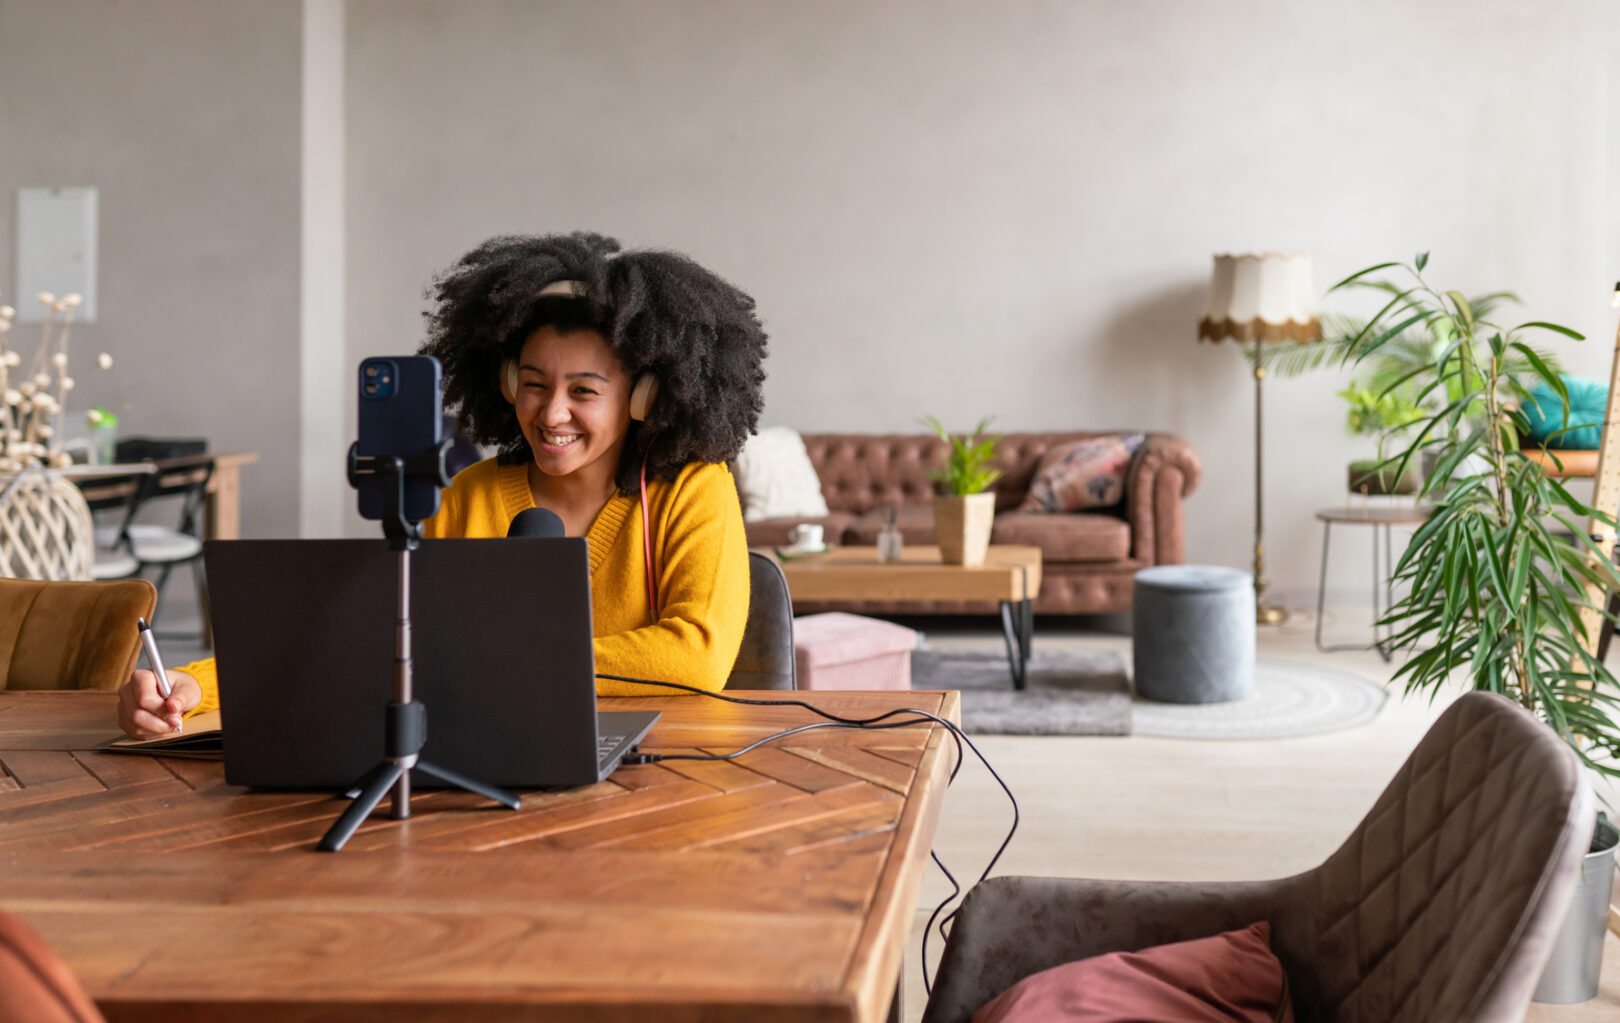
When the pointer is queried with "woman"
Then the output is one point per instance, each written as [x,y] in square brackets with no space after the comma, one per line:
[590,370]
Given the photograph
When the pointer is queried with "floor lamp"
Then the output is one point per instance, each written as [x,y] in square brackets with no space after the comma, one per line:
[1261,299]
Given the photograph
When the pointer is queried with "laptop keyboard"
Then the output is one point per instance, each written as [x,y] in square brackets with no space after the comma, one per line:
[605,745]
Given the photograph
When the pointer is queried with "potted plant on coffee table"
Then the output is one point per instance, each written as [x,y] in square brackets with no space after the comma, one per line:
[1505,589]
[965,511]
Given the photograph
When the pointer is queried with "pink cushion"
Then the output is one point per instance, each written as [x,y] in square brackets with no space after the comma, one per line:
[1228,978]
[845,651]
[1082,474]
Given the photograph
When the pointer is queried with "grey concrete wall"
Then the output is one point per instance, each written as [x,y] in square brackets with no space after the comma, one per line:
[185,114]
[969,208]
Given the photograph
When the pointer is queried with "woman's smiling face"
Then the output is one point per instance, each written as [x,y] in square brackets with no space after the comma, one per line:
[573,401]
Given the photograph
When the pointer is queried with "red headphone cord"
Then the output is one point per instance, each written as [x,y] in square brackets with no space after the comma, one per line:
[646,539]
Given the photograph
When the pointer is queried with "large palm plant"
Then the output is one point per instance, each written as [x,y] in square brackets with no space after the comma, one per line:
[1504,584]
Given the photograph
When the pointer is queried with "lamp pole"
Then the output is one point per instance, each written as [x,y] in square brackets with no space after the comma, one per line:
[1259,298]
[1264,614]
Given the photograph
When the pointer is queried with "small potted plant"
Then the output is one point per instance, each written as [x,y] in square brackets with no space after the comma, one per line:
[1382,416]
[966,509]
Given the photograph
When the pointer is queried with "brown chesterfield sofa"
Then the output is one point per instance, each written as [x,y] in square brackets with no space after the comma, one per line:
[1088,558]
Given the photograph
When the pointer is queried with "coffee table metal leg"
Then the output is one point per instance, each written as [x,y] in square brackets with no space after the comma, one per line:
[1379,643]
[1321,584]
[1027,637]
[1013,630]
[1388,650]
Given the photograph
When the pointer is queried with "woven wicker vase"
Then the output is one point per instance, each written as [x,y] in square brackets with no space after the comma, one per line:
[962,526]
[45,528]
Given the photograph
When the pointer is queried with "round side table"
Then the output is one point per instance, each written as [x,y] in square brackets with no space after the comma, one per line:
[1383,587]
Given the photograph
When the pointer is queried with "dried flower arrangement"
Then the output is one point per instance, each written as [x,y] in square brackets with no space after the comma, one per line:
[31,400]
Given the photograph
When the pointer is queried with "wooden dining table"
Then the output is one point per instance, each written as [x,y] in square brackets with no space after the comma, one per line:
[222,510]
[779,886]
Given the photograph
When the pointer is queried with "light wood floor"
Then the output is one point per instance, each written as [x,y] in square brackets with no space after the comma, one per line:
[1166,809]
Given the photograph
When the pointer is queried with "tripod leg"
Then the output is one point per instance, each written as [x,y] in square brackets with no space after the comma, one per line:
[344,827]
[365,779]
[489,792]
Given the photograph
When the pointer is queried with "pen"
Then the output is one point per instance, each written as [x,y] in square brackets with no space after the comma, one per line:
[149,642]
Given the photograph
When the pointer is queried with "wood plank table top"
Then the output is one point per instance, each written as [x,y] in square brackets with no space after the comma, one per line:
[779,886]
[1011,573]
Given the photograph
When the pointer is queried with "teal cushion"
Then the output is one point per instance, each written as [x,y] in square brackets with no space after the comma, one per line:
[1588,401]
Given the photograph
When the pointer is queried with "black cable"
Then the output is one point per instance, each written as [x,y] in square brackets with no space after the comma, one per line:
[839,721]
[654,758]
[956,890]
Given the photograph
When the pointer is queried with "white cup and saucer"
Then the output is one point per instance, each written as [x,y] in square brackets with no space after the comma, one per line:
[806,538]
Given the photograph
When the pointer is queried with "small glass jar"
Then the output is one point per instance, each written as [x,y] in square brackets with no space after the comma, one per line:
[889,544]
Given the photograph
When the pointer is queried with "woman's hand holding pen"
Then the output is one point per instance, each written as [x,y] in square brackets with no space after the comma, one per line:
[145,714]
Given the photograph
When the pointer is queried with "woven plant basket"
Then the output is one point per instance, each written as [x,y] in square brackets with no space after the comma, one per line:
[45,527]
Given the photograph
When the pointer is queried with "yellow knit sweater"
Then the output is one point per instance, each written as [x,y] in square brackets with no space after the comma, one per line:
[699,553]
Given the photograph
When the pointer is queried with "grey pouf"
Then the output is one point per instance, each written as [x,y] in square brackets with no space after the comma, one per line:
[1192,632]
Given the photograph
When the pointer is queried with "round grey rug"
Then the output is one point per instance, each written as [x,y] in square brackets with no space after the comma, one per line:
[1071,692]
[1288,700]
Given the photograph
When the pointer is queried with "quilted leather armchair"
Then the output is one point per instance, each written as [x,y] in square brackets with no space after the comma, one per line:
[1442,905]
[1089,559]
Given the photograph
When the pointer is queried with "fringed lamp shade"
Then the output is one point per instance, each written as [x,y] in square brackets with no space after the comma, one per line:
[1262,297]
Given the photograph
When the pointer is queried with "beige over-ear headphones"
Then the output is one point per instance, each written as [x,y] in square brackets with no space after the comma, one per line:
[641,395]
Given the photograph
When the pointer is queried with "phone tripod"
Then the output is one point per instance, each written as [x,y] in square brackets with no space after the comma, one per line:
[404,717]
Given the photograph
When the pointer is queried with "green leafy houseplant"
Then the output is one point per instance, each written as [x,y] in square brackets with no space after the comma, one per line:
[1383,416]
[1378,414]
[967,467]
[1498,577]
[1393,373]
[965,513]
[1413,348]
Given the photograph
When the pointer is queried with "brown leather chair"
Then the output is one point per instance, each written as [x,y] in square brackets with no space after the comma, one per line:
[35,985]
[765,660]
[70,635]
[1442,905]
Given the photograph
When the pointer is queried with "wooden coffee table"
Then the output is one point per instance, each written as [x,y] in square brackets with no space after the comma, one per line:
[1010,575]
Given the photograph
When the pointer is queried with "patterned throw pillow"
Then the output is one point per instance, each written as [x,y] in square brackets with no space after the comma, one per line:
[1083,474]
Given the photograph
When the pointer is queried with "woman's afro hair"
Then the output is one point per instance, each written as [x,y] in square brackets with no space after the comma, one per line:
[661,312]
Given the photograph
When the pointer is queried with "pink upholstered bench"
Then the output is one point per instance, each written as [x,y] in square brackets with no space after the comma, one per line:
[845,651]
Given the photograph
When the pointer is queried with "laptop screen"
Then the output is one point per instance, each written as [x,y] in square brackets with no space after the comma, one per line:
[501,642]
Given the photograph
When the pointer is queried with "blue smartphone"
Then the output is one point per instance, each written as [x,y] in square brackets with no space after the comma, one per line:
[401,413]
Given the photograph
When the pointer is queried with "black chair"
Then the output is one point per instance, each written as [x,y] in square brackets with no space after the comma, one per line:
[164,547]
[765,660]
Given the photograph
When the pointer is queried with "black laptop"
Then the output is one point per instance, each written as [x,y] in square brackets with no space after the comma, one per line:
[501,633]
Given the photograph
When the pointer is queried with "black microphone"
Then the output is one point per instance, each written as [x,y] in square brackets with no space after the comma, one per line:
[542,523]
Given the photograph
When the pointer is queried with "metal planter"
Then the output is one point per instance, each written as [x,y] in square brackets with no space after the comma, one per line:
[1577,956]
